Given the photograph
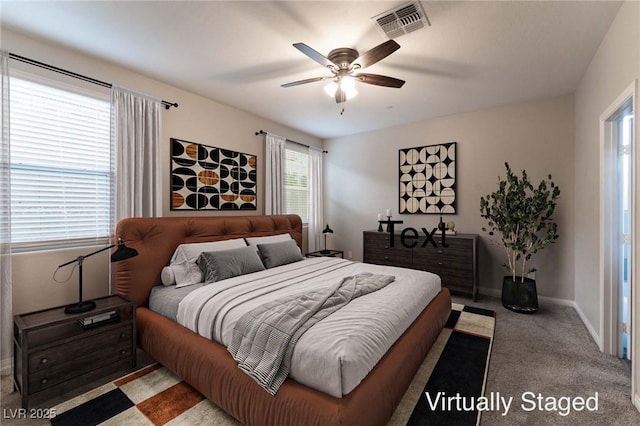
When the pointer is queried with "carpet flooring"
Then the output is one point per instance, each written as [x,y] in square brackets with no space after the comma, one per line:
[154,396]
[551,353]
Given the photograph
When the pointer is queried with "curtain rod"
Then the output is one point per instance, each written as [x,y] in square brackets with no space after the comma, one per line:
[262,132]
[68,73]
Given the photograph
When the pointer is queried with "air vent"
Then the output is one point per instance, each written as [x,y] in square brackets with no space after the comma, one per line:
[402,20]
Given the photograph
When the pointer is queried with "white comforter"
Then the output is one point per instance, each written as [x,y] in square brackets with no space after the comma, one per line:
[337,353]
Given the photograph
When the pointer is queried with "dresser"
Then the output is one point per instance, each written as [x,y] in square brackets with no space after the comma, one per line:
[55,352]
[456,264]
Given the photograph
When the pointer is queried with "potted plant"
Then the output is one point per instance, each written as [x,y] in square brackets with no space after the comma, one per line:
[521,215]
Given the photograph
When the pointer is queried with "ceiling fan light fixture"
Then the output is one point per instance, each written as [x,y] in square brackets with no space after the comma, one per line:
[330,89]
[345,65]
[347,84]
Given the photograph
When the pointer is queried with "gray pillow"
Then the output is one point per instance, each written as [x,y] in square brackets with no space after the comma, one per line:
[220,265]
[276,254]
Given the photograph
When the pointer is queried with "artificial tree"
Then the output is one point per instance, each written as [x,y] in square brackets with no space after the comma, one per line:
[522,216]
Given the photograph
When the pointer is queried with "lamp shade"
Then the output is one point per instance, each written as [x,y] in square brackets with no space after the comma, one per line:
[123,252]
[327,230]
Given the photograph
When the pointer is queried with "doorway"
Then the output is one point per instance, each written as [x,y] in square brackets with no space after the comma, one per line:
[617,227]
[625,173]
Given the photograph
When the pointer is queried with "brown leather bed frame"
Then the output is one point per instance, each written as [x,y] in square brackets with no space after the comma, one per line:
[209,368]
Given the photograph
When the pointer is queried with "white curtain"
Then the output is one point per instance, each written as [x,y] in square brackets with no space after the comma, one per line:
[135,132]
[316,218]
[274,174]
[6,308]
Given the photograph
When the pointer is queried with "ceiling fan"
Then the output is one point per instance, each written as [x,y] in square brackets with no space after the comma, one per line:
[345,65]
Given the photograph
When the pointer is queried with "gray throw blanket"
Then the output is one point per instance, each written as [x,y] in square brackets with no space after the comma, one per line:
[263,339]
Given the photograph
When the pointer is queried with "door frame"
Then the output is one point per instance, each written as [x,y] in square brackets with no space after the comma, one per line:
[609,295]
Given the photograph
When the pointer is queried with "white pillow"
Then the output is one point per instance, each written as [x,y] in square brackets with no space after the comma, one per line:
[183,261]
[254,241]
[167,276]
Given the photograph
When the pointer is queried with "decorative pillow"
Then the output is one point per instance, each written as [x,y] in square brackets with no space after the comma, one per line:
[254,241]
[183,262]
[220,265]
[167,276]
[281,253]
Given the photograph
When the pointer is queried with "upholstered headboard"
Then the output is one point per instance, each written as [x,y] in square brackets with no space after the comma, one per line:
[156,239]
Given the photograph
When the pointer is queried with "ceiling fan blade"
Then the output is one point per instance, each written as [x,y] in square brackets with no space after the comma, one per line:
[341,96]
[379,80]
[305,81]
[314,55]
[376,54]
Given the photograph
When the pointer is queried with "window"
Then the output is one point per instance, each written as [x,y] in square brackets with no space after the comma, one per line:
[296,182]
[62,172]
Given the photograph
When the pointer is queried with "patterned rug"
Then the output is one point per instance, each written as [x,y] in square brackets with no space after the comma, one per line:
[457,364]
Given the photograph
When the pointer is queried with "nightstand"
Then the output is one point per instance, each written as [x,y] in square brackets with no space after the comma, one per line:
[55,352]
[326,253]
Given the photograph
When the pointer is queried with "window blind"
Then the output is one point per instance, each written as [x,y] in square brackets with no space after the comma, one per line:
[62,165]
[296,187]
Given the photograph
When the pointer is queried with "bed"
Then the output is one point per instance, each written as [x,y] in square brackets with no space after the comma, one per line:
[208,366]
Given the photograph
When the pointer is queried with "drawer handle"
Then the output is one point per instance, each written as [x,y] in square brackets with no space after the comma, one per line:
[44,381]
[440,263]
[44,360]
[386,258]
[440,251]
[122,352]
[122,335]
[386,247]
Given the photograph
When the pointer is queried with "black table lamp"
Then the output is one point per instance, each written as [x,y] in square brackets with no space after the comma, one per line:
[123,252]
[326,231]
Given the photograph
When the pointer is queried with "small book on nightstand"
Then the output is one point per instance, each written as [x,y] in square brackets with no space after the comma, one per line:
[102,318]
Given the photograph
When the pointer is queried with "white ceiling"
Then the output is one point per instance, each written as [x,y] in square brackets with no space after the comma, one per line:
[475,54]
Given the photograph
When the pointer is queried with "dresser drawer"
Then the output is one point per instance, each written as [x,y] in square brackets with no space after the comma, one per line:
[458,249]
[53,356]
[457,254]
[378,250]
[391,257]
[431,260]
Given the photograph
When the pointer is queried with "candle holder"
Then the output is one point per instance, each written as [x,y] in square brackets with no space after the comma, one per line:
[388,223]
[380,226]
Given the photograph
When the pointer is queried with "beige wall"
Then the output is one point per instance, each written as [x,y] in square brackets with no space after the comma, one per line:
[614,67]
[362,179]
[197,119]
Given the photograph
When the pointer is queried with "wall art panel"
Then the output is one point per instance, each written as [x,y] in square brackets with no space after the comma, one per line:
[209,178]
[428,179]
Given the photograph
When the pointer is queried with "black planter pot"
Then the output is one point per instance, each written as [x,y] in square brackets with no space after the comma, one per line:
[519,296]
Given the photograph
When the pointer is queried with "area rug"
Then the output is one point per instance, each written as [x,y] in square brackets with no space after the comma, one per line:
[451,395]
[456,365]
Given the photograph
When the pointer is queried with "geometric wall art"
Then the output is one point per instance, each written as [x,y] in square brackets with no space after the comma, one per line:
[208,178]
[428,179]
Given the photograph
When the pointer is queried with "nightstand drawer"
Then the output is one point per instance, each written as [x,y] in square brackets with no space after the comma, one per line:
[52,357]
[78,365]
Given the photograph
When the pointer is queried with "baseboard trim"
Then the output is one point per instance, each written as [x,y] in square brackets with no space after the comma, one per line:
[594,334]
[5,366]
[636,402]
[493,292]
[556,301]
